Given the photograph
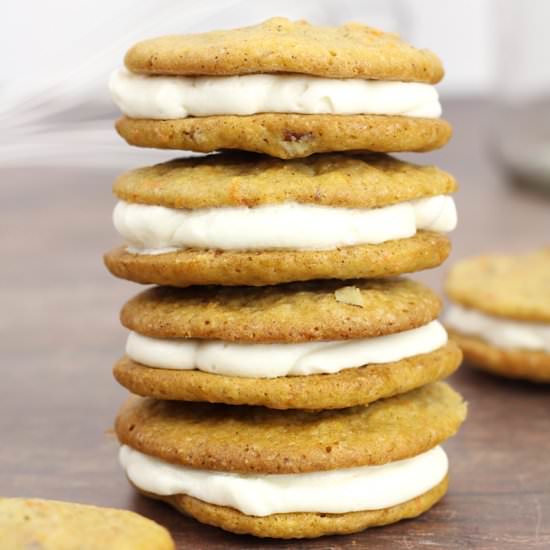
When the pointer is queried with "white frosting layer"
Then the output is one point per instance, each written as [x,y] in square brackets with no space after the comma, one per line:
[156,229]
[273,360]
[502,333]
[332,492]
[169,97]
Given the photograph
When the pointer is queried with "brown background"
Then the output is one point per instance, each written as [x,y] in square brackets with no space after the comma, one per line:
[59,336]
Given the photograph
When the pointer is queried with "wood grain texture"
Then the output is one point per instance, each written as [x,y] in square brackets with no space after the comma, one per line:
[59,336]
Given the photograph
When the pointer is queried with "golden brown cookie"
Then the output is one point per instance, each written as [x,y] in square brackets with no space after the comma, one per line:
[510,286]
[279,45]
[256,439]
[239,179]
[195,266]
[302,525]
[28,524]
[350,387]
[298,312]
[288,136]
[512,363]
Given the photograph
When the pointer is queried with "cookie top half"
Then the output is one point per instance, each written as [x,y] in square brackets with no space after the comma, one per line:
[512,286]
[282,46]
[54,525]
[340,180]
[256,439]
[296,312]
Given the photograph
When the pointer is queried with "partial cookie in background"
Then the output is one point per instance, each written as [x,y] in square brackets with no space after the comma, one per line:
[27,524]
[389,438]
[287,89]
[511,363]
[501,314]
[504,285]
[250,220]
[319,345]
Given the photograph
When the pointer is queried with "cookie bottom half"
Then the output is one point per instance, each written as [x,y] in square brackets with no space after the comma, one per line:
[303,524]
[270,267]
[288,136]
[347,388]
[510,363]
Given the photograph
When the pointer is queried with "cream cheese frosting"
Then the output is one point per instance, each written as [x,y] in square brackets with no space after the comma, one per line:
[171,97]
[273,360]
[502,333]
[151,229]
[332,491]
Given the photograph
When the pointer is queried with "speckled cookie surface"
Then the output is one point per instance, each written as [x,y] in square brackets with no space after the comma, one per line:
[35,524]
[351,181]
[516,287]
[298,312]
[256,439]
[302,525]
[511,363]
[279,45]
[350,387]
[288,136]
[270,267]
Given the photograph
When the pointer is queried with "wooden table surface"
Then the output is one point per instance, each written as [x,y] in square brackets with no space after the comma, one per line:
[59,336]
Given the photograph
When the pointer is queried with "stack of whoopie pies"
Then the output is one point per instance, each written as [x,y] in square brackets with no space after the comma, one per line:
[287,383]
